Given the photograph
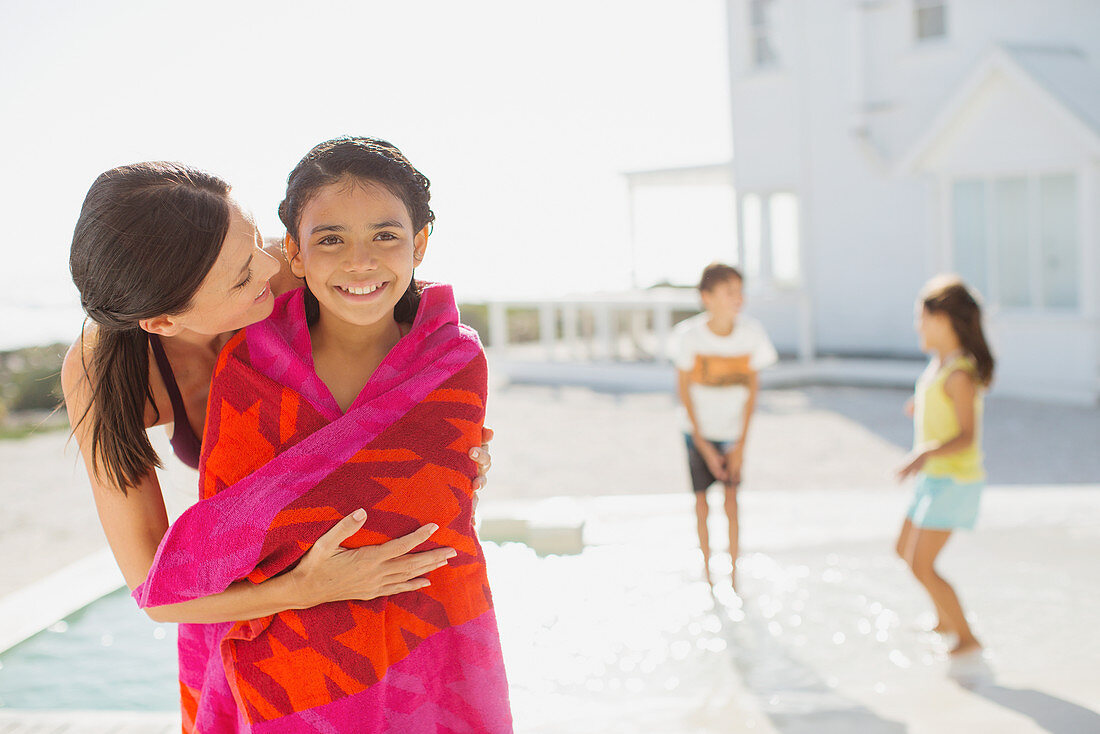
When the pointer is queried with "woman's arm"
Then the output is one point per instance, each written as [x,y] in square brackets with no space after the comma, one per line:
[135,521]
[328,572]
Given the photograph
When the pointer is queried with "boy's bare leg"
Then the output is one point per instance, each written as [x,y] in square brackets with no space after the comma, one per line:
[927,546]
[701,509]
[731,515]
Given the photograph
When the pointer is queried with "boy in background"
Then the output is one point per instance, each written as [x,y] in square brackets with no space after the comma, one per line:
[717,355]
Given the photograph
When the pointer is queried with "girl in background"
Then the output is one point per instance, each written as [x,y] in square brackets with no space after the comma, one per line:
[946,456]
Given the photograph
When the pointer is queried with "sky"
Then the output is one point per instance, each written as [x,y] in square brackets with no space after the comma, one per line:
[524,116]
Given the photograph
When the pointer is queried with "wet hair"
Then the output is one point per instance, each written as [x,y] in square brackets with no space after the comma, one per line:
[716,273]
[949,295]
[365,160]
[147,235]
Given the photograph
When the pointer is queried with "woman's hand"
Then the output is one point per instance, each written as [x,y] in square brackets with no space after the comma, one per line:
[330,572]
[484,461]
[482,457]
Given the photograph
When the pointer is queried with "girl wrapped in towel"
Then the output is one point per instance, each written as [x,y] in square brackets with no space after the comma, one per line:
[361,392]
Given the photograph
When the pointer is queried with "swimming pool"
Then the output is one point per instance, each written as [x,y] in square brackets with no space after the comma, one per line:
[109,655]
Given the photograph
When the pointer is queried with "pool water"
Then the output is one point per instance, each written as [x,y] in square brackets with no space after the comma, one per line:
[109,655]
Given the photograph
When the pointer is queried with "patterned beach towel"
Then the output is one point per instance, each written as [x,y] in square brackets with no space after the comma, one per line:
[280,465]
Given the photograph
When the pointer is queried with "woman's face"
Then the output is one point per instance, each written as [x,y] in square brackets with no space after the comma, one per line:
[235,293]
[356,248]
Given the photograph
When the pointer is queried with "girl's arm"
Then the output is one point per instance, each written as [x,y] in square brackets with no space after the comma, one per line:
[961,390]
[134,523]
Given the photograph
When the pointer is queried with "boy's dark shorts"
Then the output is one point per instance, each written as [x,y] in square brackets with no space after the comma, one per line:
[701,477]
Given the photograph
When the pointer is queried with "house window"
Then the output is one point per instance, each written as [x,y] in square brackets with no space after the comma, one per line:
[770,237]
[1016,239]
[760,29]
[752,229]
[930,19]
[783,214]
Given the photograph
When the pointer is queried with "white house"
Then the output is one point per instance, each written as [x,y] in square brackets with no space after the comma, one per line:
[877,142]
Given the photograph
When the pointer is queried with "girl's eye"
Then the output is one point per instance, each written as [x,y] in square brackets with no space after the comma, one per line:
[385,236]
[330,240]
[246,281]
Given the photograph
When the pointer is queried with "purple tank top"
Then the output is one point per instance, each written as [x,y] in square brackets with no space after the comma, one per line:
[185,443]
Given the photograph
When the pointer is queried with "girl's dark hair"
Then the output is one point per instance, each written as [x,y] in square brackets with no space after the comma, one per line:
[147,235]
[365,159]
[948,294]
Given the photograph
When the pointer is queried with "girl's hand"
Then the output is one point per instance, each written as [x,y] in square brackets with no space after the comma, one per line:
[330,572]
[913,463]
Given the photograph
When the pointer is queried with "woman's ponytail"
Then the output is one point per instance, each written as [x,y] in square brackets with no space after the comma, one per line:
[118,371]
[147,235]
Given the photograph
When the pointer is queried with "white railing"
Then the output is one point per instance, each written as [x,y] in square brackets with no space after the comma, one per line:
[632,325]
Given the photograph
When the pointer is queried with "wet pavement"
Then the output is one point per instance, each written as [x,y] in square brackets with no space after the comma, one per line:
[625,637]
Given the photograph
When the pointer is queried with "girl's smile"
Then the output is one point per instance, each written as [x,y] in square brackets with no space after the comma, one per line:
[362,291]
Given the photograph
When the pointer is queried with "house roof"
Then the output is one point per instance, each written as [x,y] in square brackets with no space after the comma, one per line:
[1060,74]
[708,173]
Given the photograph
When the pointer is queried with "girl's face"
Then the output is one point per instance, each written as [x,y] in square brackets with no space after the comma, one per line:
[356,249]
[235,292]
[934,329]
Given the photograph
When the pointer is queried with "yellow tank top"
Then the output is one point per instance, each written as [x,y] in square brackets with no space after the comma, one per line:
[934,420]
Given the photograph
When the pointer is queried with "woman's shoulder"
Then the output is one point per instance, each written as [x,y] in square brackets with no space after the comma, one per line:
[75,367]
[77,370]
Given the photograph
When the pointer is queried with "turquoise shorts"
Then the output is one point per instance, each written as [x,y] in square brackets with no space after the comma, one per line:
[942,503]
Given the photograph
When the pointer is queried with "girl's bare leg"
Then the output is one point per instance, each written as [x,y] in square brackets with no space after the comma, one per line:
[906,549]
[731,515]
[927,545]
[701,509]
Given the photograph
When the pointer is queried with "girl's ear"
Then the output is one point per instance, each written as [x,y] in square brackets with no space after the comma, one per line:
[294,256]
[420,244]
[162,325]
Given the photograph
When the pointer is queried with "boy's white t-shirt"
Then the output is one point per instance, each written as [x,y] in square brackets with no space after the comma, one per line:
[720,367]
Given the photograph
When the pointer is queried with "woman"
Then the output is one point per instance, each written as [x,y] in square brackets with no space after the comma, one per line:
[168,267]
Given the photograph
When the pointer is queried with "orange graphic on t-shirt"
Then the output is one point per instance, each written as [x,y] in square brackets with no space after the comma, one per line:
[718,370]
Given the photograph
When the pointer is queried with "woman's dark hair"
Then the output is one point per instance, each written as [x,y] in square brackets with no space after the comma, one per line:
[147,235]
[364,159]
[948,294]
